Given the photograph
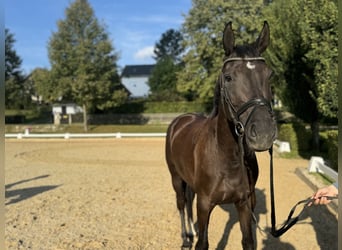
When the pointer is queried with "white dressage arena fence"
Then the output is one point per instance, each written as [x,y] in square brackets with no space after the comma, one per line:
[27,135]
[317,165]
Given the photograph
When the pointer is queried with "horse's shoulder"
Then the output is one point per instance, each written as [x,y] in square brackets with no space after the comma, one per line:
[189,118]
[189,124]
[193,116]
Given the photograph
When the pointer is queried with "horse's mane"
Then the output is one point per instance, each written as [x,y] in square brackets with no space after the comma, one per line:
[248,50]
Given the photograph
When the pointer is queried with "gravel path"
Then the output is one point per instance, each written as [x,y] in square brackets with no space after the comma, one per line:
[117,194]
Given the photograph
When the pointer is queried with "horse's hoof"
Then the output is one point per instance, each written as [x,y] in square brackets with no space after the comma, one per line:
[185,248]
[186,245]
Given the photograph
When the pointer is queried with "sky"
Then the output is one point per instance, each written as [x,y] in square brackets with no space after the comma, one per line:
[134,26]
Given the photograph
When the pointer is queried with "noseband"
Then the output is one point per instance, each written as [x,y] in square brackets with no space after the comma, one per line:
[254,102]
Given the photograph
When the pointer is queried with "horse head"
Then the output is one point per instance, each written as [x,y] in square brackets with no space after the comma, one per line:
[245,90]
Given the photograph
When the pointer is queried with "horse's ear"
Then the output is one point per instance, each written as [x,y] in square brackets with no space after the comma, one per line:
[264,38]
[228,39]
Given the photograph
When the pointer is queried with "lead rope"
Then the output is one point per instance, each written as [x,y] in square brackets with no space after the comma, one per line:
[290,221]
[273,218]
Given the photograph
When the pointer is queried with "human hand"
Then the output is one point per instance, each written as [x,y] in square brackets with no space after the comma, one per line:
[321,195]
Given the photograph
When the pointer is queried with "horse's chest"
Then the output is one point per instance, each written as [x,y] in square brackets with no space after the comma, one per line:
[230,190]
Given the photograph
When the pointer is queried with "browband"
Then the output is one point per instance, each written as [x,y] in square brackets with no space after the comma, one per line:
[243,59]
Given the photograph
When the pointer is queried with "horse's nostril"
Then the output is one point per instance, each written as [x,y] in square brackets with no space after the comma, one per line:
[253,131]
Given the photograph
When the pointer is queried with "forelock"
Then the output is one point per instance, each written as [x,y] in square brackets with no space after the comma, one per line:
[245,51]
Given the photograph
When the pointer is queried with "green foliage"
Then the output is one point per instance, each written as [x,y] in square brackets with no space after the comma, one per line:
[43,84]
[296,134]
[40,114]
[17,92]
[202,30]
[319,23]
[300,140]
[330,147]
[163,79]
[12,60]
[174,107]
[287,133]
[83,60]
[170,45]
[304,53]
[142,106]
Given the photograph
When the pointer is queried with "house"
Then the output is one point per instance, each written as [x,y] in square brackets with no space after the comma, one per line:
[135,79]
[63,112]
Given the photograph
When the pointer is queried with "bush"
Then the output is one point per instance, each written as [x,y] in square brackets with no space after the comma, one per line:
[174,107]
[296,134]
[40,114]
[329,147]
[132,107]
[300,139]
[286,133]
[142,106]
[14,119]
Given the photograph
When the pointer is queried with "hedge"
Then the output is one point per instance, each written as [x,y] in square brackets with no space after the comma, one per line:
[174,107]
[300,140]
[296,134]
[141,106]
[330,147]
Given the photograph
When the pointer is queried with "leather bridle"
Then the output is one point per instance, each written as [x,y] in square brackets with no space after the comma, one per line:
[235,114]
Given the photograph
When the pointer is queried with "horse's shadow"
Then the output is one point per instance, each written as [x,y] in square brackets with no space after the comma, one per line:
[269,243]
[16,195]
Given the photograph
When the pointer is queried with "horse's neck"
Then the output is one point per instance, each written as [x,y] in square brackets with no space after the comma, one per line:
[225,130]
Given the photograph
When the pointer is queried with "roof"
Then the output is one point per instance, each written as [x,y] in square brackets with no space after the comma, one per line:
[137,70]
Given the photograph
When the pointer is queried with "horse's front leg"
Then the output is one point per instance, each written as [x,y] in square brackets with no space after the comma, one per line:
[204,208]
[245,218]
[190,195]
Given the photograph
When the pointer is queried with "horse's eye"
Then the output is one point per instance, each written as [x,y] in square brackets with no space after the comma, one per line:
[228,78]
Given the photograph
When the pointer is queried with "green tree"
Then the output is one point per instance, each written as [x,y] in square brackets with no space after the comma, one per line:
[163,79]
[83,61]
[43,85]
[319,23]
[169,45]
[16,92]
[303,53]
[202,32]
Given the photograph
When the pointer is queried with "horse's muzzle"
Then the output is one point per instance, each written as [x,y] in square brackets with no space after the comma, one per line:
[261,130]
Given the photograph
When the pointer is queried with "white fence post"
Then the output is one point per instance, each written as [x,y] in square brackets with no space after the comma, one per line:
[284,146]
[317,165]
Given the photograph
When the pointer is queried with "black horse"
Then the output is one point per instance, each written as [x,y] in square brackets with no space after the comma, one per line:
[214,156]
